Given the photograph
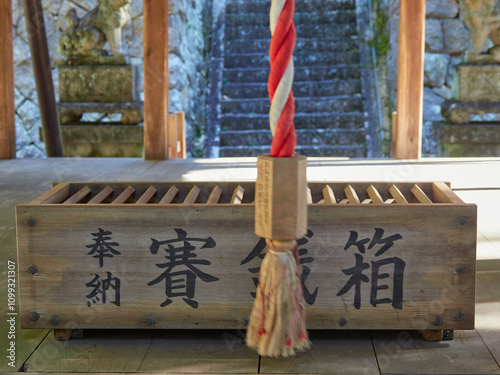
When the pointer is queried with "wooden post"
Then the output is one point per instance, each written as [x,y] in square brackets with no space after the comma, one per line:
[181,134]
[7,106]
[155,79]
[410,79]
[33,14]
[172,137]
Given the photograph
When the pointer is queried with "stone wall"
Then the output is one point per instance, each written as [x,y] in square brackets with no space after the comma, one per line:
[188,41]
[446,40]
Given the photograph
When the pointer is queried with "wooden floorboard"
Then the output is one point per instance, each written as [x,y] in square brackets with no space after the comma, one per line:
[401,352]
[332,352]
[100,351]
[208,352]
[488,311]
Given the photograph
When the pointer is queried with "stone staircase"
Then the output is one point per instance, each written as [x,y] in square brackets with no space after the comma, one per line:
[327,87]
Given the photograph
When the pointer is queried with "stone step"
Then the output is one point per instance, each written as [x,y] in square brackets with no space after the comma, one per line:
[318,73]
[300,89]
[302,45]
[102,140]
[351,151]
[262,19]
[310,60]
[263,6]
[332,120]
[309,105]
[306,137]
[304,31]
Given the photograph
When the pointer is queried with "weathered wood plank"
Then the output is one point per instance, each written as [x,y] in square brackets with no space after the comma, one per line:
[192,195]
[7,105]
[238,193]
[442,193]
[328,195]
[309,196]
[78,196]
[155,79]
[351,195]
[25,340]
[124,196]
[200,351]
[100,351]
[397,195]
[225,298]
[374,195]
[410,79]
[181,134]
[57,194]
[172,137]
[488,310]
[324,356]
[146,197]
[101,196]
[170,195]
[403,352]
[215,195]
[420,195]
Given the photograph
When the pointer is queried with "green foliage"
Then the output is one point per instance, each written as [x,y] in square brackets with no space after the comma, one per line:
[380,40]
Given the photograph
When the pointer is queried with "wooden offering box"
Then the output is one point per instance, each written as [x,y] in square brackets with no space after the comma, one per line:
[184,255]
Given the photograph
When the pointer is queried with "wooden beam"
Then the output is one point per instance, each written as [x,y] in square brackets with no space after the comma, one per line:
[35,25]
[410,79]
[7,105]
[155,15]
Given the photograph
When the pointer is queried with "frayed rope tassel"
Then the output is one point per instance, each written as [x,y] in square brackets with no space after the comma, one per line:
[277,323]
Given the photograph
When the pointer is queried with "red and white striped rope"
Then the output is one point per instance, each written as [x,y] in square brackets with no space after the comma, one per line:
[280,79]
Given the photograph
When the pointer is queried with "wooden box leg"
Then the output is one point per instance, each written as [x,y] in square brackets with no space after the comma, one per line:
[432,335]
[67,334]
[62,334]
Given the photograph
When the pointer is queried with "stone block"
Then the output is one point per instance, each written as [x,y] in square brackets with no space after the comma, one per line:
[479,83]
[435,69]
[460,112]
[456,36]
[432,105]
[434,40]
[131,113]
[471,140]
[100,84]
[102,140]
[441,8]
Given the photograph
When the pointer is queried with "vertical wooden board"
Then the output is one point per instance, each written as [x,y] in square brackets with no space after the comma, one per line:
[220,352]
[7,105]
[403,352]
[155,79]
[100,351]
[172,137]
[26,341]
[420,251]
[344,352]
[410,79]
[181,135]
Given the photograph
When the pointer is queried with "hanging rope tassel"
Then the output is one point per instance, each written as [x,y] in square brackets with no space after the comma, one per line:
[277,322]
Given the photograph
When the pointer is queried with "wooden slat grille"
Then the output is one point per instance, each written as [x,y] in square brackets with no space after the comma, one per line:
[241,193]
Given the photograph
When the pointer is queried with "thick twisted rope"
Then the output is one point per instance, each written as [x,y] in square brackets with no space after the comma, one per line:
[280,80]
